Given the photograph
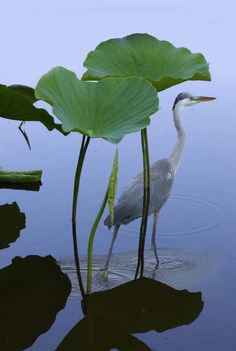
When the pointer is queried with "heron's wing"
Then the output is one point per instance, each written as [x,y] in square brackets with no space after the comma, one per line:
[130,203]
[162,178]
[134,188]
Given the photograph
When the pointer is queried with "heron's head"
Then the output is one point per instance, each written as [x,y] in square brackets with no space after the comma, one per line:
[186,99]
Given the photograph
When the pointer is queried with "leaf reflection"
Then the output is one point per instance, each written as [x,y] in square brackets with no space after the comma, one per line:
[135,307]
[32,290]
[21,186]
[12,221]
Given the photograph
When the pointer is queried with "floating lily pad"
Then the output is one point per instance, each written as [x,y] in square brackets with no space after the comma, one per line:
[12,221]
[20,176]
[109,109]
[21,180]
[16,103]
[145,56]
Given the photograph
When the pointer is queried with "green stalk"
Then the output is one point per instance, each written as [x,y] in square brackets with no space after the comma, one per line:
[76,258]
[90,243]
[83,149]
[146,199]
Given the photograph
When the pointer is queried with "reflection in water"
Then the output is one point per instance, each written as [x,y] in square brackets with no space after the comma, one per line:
[12,221]
[21,186]
[32,290]
[135,307]
[178,268]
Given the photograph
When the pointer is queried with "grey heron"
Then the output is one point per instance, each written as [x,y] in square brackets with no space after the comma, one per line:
[162,173]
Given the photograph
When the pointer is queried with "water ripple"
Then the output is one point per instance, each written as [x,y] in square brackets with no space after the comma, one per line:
[178,268]
[189,216]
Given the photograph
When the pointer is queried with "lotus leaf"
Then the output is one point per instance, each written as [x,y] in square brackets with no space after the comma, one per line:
[109,109]
[24,90]
[143,55]
[14,177]
[16,103]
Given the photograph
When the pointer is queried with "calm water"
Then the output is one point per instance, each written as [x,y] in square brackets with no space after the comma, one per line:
[197,225]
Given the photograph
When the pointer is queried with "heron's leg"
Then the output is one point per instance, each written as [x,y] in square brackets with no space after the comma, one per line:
[115,232]
[154,231]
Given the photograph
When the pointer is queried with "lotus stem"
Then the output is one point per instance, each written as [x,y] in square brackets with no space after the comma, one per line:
[83,149]
[76,258]
[146,199]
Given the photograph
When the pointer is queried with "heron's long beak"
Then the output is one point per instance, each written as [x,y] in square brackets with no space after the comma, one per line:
[203,98]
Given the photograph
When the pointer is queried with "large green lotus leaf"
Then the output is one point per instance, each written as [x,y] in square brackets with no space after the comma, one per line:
[145,56]
[109,109]
[16,103]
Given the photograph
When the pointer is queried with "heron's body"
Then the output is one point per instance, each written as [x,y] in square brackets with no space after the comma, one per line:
[130,204]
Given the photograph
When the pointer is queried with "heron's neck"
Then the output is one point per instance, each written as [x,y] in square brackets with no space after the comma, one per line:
[177,153]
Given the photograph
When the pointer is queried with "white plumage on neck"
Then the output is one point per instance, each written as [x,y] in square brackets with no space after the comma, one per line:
[176,156]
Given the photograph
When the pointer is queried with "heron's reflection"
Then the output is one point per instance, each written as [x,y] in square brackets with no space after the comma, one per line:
[32,290]
[12,221]
[113,316]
